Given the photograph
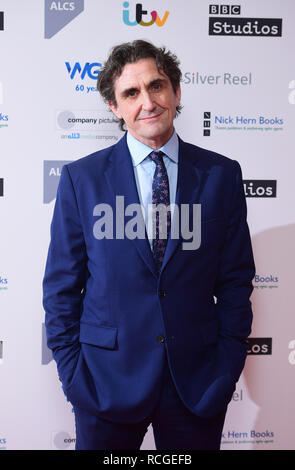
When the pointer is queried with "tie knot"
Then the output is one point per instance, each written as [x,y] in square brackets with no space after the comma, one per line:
[157,157]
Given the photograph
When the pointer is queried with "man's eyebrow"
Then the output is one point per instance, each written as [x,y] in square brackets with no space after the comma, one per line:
[128,90]
[133,89]
[158,81]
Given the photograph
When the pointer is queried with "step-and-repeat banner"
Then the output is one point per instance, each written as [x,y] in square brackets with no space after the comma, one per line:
[238,97]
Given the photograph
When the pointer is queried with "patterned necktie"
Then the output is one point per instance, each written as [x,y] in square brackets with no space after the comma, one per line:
[160,195]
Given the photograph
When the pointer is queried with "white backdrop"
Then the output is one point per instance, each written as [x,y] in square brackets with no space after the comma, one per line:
[244,82]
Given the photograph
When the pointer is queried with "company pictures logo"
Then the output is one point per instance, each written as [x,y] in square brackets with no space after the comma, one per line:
[59,14]
[63,440]
[88,124]
[140,13]
[234,25]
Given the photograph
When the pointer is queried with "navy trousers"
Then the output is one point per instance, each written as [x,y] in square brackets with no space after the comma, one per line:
[174,426]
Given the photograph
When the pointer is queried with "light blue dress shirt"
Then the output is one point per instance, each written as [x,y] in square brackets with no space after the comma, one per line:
[144,169]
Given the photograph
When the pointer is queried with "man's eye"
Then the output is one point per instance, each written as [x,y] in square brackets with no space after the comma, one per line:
[156,86]
[132,93]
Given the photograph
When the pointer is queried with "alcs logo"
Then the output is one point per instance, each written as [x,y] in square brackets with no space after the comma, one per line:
[92,70]
[62,6]
[139,12]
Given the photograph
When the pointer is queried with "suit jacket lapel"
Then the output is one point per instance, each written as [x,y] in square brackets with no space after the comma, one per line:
[121,180]
[187,192]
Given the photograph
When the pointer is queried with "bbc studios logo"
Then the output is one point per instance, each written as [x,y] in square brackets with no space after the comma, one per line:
[228,22]
[259,346]
[260,188]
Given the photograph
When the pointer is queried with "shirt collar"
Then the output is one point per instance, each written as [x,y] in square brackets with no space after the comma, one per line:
[140,151]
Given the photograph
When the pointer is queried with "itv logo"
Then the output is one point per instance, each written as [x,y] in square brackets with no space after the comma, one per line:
[139,13]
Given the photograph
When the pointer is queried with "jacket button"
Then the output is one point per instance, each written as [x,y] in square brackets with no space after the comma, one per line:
[162,293]
[160,338]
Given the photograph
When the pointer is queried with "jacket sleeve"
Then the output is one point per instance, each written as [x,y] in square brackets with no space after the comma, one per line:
[64,280]
[233,285]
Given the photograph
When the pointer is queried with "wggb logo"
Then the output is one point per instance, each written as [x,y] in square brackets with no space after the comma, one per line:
[139,13]
[90,69]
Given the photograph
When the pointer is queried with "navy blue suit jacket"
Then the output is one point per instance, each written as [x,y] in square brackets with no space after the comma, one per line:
[105,305]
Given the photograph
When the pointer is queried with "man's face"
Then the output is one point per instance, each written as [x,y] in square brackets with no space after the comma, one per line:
[146,101]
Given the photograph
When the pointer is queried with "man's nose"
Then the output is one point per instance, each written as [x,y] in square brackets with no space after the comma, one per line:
[147,101]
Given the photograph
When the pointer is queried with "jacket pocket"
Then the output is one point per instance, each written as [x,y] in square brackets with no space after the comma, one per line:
[98,335]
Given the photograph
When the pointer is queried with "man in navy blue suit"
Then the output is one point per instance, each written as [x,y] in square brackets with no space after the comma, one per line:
[149,272]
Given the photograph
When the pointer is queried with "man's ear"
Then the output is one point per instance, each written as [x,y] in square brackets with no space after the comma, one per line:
[115,109]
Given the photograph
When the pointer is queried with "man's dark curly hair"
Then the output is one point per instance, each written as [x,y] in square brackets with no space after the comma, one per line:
[129,53]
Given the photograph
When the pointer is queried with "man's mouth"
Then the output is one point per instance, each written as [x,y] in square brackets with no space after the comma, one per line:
[152,117]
